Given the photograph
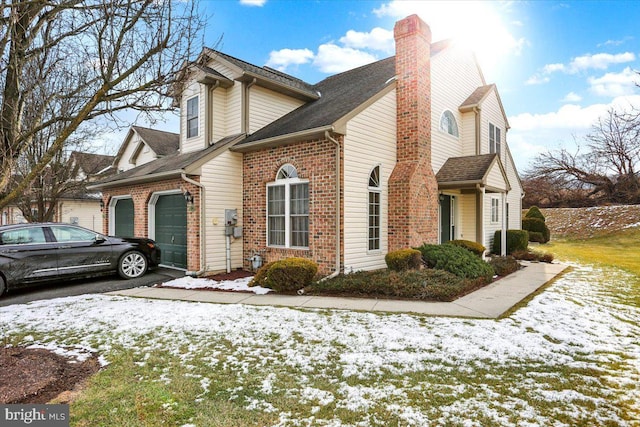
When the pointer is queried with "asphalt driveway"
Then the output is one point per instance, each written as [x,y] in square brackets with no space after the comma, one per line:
[87,286]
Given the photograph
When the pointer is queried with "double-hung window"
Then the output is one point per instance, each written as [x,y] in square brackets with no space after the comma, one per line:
[495,142]
[288,210]
[495,209]
[192,117]
[374,209]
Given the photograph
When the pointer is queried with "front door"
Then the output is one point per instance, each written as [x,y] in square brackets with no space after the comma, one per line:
[447,221]
[171,229]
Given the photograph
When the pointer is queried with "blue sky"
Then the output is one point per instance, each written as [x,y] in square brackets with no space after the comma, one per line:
[558,65]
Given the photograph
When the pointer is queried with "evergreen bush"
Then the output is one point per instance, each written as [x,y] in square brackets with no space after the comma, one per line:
[403,259]
[286,275]
[517,240]
[469,245]
[456,260]
[537,225]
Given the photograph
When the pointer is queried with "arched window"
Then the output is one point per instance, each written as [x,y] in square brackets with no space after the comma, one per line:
[448,123]
[288,210]
[374,209]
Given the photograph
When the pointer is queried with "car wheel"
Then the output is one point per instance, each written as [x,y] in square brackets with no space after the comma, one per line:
[132,264]
[3,286]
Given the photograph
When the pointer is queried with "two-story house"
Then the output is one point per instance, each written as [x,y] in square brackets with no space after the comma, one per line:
[405,150]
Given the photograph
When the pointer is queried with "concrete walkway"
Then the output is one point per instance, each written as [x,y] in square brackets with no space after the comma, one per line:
[489,302]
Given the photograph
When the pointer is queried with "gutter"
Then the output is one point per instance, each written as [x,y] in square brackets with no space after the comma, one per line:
[338,212]
[137,179]
[203,227]
[476,110]
[282,139]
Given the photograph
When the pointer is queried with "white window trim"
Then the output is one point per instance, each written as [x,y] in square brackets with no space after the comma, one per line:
[446,132]
[112,212]
[378,190]
[186,117]
[287,211]
[497,148]
[497,218]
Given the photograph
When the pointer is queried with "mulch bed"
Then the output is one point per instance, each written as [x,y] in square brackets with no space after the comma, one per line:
[36,375]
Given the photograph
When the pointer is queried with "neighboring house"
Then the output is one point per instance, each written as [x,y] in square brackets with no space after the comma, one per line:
[73,204]
[406,150]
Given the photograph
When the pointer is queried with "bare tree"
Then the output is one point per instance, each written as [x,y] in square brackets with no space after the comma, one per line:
[606,167]
[64,63]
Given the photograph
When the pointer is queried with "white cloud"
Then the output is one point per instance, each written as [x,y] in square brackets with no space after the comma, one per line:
[335,59]
[283,58]
[572,97]
[615,84]
[615,42]
[537,80]
[255,3]
[599,61]
[550,68]
[376,39]
[532,133]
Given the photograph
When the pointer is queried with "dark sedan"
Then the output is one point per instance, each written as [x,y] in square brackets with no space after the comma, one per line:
[34,253]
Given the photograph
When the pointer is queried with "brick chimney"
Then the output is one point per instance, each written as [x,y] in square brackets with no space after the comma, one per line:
[413,190]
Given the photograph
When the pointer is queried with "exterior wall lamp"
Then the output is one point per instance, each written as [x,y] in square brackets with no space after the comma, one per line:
[188,197]
[101,205]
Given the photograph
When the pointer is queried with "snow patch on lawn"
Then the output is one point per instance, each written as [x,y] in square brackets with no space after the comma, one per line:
[238,285]
[575,347]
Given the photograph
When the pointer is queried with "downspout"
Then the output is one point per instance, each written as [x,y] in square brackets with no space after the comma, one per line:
[209,119]
[203,224]
[505,226]
[245,112]
[476,110]
[338,212]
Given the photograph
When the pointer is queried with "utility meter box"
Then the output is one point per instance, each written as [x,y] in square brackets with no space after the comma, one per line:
[230,221]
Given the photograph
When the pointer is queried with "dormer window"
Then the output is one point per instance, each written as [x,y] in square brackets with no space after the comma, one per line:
[448,123]
[192,117]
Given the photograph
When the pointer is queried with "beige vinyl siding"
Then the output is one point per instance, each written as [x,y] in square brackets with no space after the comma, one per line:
[514,198]
[222,178]
[87,211]
[218,113]
[491,227]
[495,178]
[492,113]
[467,216]
[370,142]
[454,76]
[266,106]
[197,142]
[468,136]
[234,110]
[124,161]
[145,155]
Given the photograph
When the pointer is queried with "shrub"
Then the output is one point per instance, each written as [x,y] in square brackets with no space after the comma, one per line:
[456,260]
[534,212]
[534,236]
[533,256]
[261,276]
[538,226]
[469,245]
[426,285]
[517,240]
[403,259]
[286,275]
[504,265]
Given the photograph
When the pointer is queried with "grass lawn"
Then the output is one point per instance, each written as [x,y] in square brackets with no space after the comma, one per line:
[570,357]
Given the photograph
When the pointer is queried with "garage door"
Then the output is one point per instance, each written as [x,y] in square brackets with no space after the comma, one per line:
[123,221]
[171,229]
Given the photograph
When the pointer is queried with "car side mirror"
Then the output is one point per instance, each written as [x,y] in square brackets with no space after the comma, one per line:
[100,238]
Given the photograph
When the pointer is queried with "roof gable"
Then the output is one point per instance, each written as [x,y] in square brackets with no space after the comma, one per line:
[469,171]
[478,96]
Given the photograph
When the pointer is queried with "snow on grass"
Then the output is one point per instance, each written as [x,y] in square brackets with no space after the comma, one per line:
[570,357]
[238,285]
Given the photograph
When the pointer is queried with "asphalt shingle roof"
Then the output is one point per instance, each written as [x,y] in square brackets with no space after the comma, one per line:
[161,142]
[465,169]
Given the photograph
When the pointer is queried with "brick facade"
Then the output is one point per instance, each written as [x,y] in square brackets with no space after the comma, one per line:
[141,195]
[413,189]
[314,160]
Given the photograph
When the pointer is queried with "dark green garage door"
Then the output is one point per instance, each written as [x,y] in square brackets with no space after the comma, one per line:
[171,229]
[123,220]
